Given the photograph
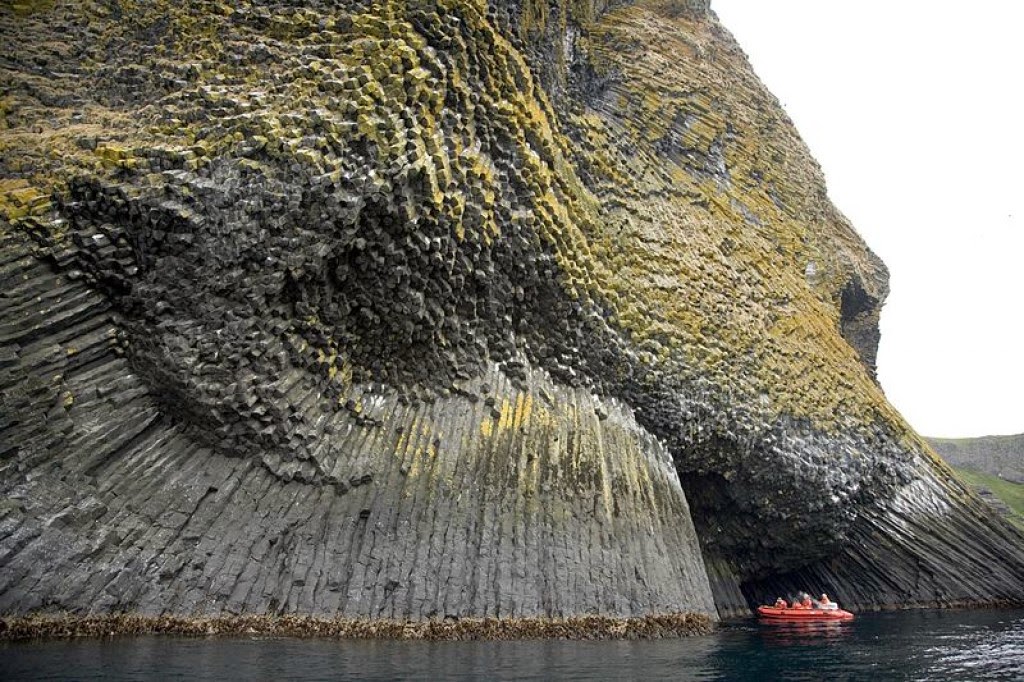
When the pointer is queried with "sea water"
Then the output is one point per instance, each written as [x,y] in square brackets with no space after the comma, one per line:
[909,645]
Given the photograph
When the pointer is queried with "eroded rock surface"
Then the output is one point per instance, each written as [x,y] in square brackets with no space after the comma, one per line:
[426,309]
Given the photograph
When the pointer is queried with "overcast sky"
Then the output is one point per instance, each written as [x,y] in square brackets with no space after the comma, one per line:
[914,110]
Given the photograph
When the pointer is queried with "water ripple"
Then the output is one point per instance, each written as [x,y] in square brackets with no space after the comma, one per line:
[921,645]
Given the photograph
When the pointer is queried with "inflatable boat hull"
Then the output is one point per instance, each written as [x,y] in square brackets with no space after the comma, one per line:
[770,613]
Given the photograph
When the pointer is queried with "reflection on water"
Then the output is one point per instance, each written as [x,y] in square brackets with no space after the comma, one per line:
[789,634]
[913,645]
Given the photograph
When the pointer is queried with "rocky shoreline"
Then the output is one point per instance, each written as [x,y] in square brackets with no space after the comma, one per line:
[463,629]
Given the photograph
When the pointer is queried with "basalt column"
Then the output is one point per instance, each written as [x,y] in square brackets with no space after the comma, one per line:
[523,499]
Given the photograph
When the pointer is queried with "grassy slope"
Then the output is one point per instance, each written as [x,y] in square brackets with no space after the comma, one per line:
[1010,493]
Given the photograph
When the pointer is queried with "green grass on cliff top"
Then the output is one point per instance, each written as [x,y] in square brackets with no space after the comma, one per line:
[1010,493]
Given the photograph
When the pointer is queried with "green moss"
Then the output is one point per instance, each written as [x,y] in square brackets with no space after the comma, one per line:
[26,7]
[20,200]
[638,233]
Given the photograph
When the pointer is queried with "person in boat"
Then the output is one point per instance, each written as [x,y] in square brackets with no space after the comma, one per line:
[805,603]
[826,603]
[781,603]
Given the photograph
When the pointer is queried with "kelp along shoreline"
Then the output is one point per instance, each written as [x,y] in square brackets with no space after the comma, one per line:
[462,629]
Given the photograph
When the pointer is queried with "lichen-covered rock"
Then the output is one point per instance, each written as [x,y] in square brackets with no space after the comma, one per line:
[418,309]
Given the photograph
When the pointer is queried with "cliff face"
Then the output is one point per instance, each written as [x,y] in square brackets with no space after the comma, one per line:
[419,309]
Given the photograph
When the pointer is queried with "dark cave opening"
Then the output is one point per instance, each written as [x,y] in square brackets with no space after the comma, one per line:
[858,323]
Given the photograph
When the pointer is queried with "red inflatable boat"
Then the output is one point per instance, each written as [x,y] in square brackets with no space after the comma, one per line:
[776,615]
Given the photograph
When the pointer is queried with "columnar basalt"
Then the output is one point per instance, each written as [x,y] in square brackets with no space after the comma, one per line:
[425,309]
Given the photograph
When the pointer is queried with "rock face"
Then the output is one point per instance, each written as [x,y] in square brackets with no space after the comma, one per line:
[428,309]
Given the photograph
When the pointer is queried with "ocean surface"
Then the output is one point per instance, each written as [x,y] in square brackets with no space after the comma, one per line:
[913,645]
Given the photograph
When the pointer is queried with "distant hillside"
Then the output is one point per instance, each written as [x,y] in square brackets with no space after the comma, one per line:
[1006,497]
[1001,456]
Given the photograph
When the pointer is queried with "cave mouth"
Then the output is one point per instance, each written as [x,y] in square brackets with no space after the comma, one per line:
[758,518]
[750,559]
[730,528]
[858,322]
[854,301]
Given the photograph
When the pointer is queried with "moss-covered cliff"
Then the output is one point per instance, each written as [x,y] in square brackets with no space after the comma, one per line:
[416,309]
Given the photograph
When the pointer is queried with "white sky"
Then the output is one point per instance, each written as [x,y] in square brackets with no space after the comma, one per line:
[914,110]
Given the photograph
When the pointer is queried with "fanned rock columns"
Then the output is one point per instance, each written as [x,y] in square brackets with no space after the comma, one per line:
[542,502]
